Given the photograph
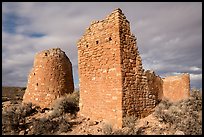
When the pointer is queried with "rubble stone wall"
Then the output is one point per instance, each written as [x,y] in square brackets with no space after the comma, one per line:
[155,84]
[176,88]
[113,83]
[141,90]
[50,78]
[135,88]
[100,71]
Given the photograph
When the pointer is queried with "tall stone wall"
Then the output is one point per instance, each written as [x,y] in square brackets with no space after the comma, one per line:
[113,83]
[137,97]
[100,71]
[50,78]
[176,88]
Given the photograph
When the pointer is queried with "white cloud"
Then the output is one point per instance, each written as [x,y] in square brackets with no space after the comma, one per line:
[157,38]
[169,34]
[196,76]
[195,68]
[172,42]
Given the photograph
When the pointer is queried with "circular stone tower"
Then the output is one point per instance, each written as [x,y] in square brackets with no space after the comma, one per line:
[50,78]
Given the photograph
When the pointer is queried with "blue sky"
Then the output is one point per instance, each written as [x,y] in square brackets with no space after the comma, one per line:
[169,35]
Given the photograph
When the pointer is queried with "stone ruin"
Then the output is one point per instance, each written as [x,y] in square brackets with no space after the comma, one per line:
[50,78]
[113,83]
[176,88]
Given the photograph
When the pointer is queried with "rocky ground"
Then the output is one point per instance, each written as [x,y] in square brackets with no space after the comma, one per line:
[182,118]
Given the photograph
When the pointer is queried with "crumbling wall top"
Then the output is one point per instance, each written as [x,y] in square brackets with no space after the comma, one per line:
[117,14]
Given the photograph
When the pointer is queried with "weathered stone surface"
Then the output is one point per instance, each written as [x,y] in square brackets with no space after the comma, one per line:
[176,88]
[100,70]
[113,83]
[155,84]
[50,78]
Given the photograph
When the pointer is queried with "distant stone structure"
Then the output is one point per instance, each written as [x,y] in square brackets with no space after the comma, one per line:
[50,78]
[176,88]
[113,83]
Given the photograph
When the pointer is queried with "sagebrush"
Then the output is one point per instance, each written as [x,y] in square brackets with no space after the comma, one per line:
[68,103]
[185,115]
[14,117]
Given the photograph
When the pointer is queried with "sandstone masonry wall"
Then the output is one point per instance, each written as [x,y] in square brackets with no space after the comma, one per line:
[50,78]
[155,84]
[155,92]
[100,71]
[176,88]
[137,97]
[141,90]
[113,83]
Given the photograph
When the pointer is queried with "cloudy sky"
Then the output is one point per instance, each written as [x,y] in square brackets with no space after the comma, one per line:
[169,35]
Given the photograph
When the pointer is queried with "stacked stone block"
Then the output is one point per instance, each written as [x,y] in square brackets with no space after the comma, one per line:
[50,78]
[100,71]
[113,83]
[155,92]
[140,88]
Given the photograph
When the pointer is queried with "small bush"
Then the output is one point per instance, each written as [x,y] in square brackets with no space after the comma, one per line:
[129,121]
[64,126]
[107,129]
[48,126]
[66,104]
[44,127]
[13,118]
[183,115]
